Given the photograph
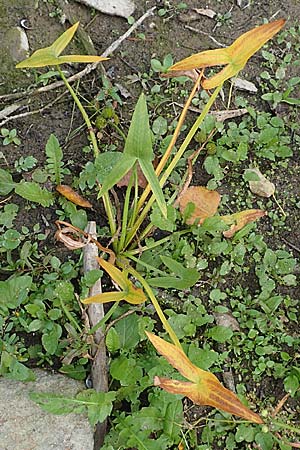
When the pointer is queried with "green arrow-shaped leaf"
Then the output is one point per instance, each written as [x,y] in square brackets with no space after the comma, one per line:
[185,278]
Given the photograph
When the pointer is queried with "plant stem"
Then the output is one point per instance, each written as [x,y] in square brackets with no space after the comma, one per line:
[69,315]
[147,266]
[104,319]
[83,112]
[174,161]
[106,199]
[165,157]
[155,303]
[285,426]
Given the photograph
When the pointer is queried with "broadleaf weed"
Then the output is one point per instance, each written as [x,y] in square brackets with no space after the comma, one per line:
[160,252]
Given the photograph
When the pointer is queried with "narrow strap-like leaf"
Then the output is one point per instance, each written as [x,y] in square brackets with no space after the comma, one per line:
[148,171]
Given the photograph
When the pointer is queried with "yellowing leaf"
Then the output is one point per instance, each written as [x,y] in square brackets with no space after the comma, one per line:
[49,56]
[64,39]
[240,219]
[129,293]
[203,388]
[206,203]
[72,195]
[234,57]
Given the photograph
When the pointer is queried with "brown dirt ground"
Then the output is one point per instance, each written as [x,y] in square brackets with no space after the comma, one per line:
[163,35]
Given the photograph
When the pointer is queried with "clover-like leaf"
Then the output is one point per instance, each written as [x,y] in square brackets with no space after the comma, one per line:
[203,388]
[129,292]
[234,57]
[50,56]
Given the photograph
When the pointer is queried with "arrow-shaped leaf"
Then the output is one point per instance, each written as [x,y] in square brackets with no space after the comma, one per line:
[235,56]
[185,278]
[63,40]
[204,388]
[50,56]
[138,147]
[129,292]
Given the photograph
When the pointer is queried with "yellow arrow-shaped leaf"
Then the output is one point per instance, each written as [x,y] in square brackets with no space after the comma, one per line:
[235,56]
[204,388]
[50,56]
[129,292]
[63,40]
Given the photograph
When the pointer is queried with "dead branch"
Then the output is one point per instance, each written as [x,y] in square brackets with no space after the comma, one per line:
[28,113]
[95,314]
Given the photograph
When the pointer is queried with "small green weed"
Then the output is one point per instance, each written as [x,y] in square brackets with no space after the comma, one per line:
[193,275]
[9,136]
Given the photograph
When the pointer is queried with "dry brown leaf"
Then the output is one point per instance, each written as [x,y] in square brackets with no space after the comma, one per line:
[63,235]
[240,219]
[142,181]
[206,203]
[226,114]
[262,187]
[72,196]
[244,85]
[227,320]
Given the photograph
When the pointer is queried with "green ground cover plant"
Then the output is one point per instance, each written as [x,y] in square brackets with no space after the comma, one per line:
[40,294]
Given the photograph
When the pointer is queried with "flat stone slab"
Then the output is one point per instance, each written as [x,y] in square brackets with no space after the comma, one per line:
[16,42]
[25,426]
[122,8]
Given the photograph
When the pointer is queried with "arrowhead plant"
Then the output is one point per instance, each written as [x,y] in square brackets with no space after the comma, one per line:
[127,238]
[233,57]
[50,56]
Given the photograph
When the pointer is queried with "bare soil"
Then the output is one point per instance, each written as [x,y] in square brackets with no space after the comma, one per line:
[163,35]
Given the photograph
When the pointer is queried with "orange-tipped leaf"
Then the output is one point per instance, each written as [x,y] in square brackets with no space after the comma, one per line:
[204,388]
[235,56]
[240,219]
[129,292]
[209,392]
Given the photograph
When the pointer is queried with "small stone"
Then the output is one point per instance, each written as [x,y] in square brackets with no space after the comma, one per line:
[16,42]
[244,85]
[227,320]
[25,426]
[122,8]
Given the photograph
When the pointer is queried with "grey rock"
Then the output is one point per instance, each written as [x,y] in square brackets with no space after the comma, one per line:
[122,8]
[16,42]
[25,426]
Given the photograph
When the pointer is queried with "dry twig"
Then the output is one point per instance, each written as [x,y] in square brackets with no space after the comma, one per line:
[188,27]
[96,313]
